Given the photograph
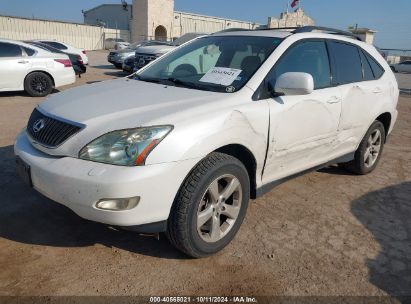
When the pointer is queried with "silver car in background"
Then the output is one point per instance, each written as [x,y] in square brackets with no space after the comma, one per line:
[117,57]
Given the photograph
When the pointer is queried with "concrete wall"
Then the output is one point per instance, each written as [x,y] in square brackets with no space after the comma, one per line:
[79,35]
[112,15]
[149,14]
[187,23]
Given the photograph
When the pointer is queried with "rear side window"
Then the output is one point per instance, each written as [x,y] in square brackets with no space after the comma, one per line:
[367,71]
[309,57]
[376,68]
[347,63]
[10,50]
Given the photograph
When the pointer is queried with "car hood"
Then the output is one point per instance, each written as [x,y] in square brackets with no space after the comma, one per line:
[126,103]
[123,51]
[123,103]
[155,49]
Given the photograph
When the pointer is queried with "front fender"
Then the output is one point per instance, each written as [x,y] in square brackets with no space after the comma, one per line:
[246,125]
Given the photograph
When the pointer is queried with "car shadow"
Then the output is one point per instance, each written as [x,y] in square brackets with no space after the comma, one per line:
[336,170]
[386,213]
[30,218]
[104,67]
[118,73]
[23,94]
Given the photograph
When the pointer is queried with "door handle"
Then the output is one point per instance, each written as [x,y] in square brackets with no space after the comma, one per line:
[377,91]
[23,61]
[334,99]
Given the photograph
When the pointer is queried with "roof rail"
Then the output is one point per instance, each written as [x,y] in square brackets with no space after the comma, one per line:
[233,29]
[308,29]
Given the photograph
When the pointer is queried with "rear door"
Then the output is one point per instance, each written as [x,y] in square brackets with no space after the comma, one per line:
[13,66]
[357,75]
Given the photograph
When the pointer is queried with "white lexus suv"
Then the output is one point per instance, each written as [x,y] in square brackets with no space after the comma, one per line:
[181,146]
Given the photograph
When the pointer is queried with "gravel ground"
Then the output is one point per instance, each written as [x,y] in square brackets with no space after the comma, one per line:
[326,233]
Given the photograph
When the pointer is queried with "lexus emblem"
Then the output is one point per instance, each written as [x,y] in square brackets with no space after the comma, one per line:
[39,125]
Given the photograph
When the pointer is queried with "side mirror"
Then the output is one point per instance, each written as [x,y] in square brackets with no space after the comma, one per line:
[294,83]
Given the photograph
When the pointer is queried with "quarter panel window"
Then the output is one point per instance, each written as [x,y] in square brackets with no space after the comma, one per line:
[309,57]
[29,52]
[10,50]
[368,73]
[376,68]
[347,63]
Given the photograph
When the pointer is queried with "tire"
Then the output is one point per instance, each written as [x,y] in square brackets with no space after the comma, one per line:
[38,84]
[365,161]
[393,69]
[195,201]
[118,65]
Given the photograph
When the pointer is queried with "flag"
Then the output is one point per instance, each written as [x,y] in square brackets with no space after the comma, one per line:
[294,3]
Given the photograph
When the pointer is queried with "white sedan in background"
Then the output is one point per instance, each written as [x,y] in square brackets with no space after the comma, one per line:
[24,67]
[67,48]
[404,66]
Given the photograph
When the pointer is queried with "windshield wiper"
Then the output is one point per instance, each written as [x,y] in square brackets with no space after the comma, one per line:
[154,80]
[187,84]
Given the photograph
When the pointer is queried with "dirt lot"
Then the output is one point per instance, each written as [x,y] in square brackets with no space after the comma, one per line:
[326,233]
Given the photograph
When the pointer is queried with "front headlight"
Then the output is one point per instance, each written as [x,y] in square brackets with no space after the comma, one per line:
[125,147]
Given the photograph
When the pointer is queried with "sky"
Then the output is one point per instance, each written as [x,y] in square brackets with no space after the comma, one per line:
[391,19]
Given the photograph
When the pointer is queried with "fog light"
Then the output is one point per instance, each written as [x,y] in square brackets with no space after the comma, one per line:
[118,204]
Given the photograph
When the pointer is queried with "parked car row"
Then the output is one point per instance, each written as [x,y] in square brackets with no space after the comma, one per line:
[115,43]
[145,52]
[76,60]
[117,57]
[38,67]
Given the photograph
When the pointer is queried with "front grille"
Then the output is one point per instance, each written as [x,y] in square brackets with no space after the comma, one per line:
[144,59]
[49,131]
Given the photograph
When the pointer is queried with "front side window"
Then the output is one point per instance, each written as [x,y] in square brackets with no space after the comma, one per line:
[10,50]
[220,64]
[308,57]
[347,63]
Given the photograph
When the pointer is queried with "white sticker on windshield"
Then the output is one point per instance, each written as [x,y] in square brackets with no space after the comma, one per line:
[222,76]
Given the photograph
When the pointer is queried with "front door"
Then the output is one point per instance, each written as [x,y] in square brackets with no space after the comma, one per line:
[303,128]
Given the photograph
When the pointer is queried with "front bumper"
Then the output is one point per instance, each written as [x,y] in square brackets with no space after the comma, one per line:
[79,185]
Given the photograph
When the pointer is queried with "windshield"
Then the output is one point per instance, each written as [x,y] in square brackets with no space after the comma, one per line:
[212,63]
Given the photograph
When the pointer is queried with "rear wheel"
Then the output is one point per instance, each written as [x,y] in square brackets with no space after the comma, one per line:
[210,206]
[369,151]
[38,84]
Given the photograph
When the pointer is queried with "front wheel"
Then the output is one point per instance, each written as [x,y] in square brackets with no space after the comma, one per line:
[369,151]
[210,207]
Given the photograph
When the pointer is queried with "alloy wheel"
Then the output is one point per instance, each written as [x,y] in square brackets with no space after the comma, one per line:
[373,148]
[219,208]
[39,84]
